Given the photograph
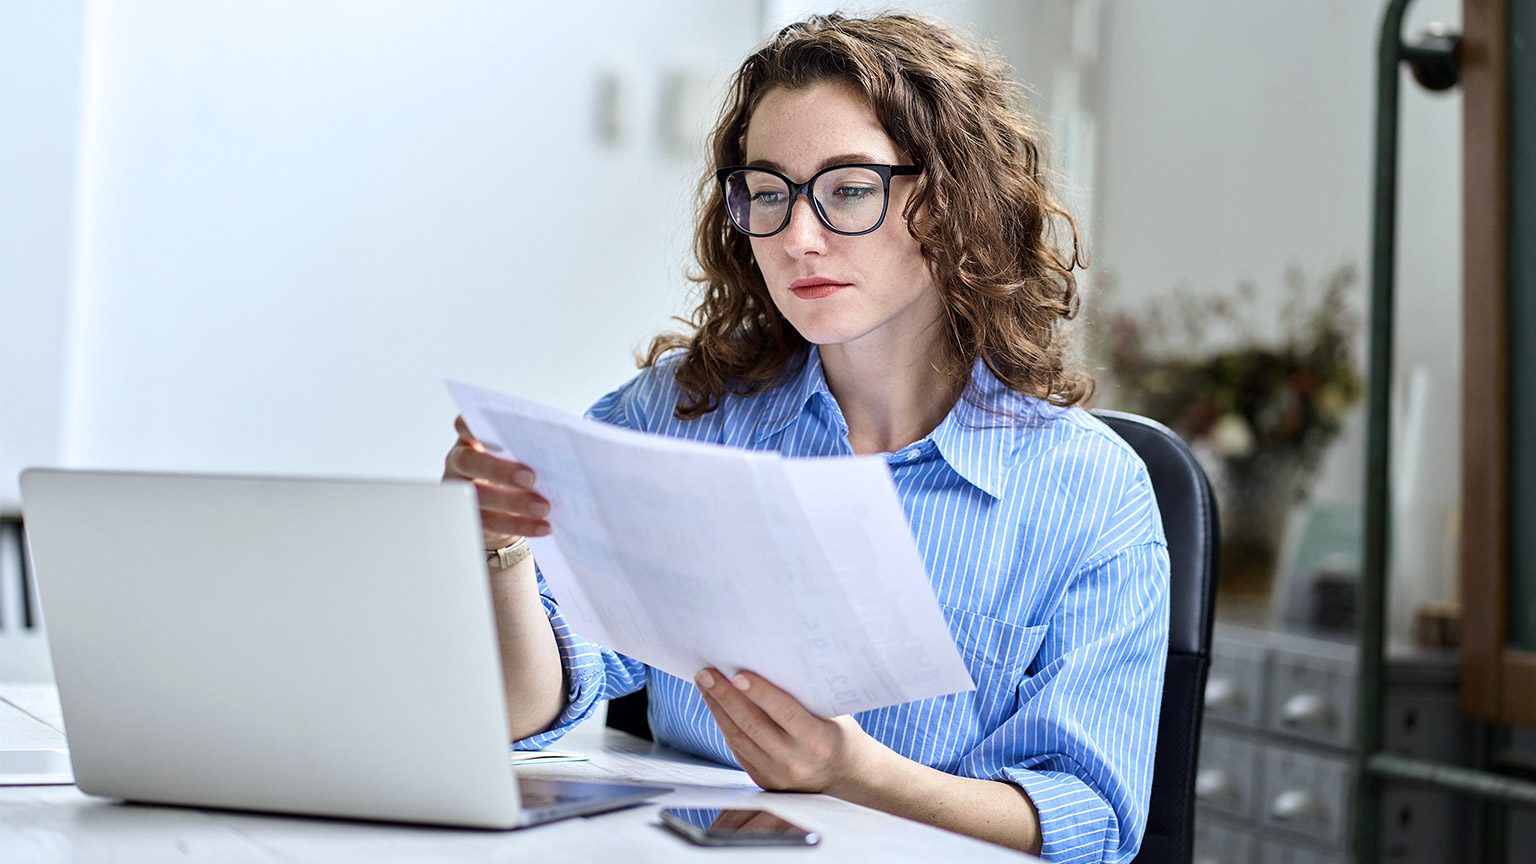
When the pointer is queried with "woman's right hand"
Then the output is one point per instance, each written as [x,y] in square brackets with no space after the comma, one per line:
[509,507]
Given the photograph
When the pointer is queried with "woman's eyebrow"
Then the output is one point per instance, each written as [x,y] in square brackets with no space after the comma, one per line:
[840,159]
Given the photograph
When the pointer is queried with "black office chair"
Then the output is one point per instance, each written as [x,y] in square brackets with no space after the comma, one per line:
[1189,521]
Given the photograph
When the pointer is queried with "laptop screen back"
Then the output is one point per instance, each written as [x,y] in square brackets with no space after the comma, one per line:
[311,646]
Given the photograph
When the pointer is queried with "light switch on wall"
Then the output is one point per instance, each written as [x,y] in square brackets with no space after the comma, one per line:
[687,101]
[611,106]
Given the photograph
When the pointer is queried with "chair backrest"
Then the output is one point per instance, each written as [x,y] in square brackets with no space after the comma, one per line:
[1189,521]
[628,714]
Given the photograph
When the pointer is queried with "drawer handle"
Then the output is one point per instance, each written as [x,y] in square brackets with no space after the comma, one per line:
[1223,693]
[1295,805]
[1307,709]
[1214,783]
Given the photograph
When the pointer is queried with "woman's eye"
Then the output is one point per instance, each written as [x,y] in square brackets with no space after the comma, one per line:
[853,194]
[767,199]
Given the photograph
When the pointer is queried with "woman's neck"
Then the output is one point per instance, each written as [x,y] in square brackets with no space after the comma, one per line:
[889,398]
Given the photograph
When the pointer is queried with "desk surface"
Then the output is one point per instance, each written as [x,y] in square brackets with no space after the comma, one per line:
[59,823]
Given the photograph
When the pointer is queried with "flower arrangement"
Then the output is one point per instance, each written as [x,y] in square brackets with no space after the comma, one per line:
[1263,409]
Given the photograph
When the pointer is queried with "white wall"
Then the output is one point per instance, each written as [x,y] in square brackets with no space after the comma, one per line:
[39,85]
[296,218]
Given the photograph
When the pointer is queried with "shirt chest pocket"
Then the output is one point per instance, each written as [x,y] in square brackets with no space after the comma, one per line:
[997,653]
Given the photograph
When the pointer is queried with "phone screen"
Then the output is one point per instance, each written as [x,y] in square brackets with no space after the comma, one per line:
[714,826]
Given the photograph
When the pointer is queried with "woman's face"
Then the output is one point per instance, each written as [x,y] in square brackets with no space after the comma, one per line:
[873,290]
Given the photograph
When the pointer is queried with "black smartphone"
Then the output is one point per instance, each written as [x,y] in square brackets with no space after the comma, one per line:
[715,826]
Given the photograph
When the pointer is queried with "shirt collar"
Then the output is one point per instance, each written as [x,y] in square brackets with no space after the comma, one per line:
[978,439]
[979,435]
[788,400]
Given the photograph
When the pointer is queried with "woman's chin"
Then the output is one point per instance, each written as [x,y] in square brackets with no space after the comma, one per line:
[827,329]
[825,337]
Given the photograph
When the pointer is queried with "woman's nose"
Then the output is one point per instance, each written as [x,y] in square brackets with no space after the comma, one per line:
[804,234]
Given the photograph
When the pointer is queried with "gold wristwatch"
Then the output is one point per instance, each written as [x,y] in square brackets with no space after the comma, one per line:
[506,556]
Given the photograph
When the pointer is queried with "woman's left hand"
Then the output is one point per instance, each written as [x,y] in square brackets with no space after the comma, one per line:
[781,745]
[785,747]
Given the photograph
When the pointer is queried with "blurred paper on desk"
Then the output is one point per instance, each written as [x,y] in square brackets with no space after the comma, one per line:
[686,555]
[520,758]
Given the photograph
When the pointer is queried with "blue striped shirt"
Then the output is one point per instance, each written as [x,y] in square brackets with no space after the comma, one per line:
[1045,547]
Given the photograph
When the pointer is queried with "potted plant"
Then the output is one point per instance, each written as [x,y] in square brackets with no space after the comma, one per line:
[1260,410]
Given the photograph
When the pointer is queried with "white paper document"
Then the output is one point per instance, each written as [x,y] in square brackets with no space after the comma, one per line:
[686,555]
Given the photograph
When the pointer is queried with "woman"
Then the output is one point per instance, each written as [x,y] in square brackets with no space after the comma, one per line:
[877,254]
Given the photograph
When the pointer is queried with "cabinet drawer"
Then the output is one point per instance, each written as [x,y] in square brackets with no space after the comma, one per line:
[1308,794]
[1228,778]
[1218,842]
[1282,852]
[1427,722]
[1312,698]
[1234,689]
[1424,826]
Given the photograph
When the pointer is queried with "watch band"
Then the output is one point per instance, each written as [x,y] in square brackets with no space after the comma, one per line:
[506,556]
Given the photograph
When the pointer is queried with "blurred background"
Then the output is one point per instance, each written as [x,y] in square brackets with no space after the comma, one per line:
[256,237]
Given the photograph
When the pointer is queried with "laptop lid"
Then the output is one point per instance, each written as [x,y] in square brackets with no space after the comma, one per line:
[296,645]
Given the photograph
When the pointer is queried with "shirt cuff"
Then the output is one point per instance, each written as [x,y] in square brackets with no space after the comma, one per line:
[1076,823]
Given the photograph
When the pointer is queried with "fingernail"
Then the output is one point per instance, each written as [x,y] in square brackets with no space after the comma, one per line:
[523,478]
[740,682]
[541,531]
[704,679]
[540,509]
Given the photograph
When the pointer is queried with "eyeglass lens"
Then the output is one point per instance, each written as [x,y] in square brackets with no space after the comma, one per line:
[849,199]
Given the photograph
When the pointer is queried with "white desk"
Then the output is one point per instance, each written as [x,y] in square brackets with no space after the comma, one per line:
[59,823]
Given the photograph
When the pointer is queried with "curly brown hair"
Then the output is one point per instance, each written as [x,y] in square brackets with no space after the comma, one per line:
[981,211]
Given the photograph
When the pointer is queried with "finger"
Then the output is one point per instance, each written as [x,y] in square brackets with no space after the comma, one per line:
[512,500]
[754,769]
[462,428]
[784,710]
[747,749]
[506,510]
[453,463]
[503,528]
[467,462]
[748,755]
[753,722]
[469,438]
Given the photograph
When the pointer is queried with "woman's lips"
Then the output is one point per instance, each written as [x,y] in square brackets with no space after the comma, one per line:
[815,288]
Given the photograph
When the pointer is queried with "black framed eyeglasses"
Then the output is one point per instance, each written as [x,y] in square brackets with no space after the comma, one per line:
[848,199]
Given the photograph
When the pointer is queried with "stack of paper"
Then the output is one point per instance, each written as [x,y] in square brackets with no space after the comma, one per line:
[686,555]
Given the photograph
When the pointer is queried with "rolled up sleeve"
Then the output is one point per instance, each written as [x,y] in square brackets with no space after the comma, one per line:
[1089,710]
[592,673]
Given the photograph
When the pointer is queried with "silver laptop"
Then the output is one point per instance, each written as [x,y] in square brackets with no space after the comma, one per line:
[323,647]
